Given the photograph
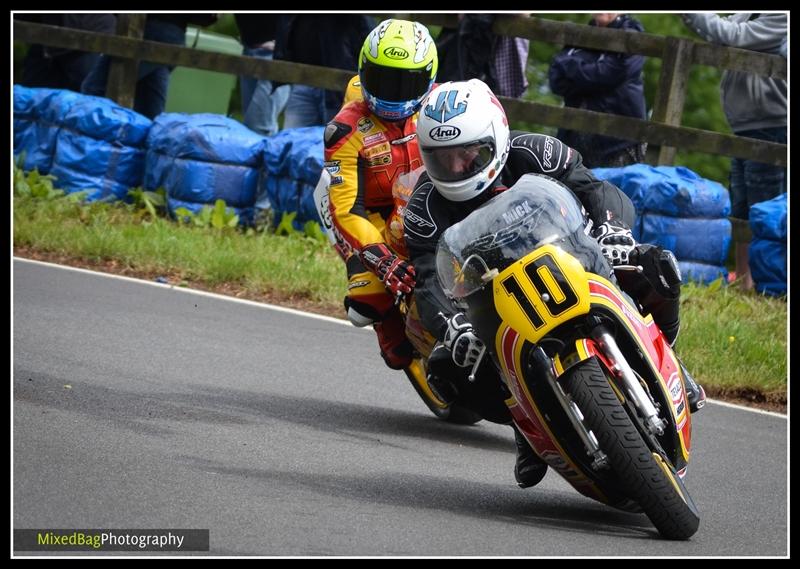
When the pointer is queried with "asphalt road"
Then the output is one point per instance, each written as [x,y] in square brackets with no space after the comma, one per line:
[139,406]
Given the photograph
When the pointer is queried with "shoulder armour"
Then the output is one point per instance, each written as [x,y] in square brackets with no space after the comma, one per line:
[335,131]
[417,219]
[547,152]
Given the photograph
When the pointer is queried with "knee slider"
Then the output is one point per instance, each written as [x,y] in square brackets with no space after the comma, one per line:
[360,314]
[357,319]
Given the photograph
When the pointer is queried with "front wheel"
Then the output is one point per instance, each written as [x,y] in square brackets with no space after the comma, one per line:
[647,478]
[453,413]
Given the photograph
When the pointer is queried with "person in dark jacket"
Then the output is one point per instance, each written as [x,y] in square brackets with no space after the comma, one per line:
[606,82]
[470,155]
[474,51]
[61,68]
[328,40]
[153,78]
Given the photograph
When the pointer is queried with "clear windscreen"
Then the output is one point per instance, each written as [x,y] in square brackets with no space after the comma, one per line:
[536,211]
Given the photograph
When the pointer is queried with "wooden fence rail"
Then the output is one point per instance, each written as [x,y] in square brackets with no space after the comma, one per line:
[677,54]
[663,129]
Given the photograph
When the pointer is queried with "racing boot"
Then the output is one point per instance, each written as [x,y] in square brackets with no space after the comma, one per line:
[396,351]
[529,469]
[440,366]
[694,391]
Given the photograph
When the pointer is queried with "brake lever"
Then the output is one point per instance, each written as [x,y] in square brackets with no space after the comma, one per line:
[476,365]
[637,268]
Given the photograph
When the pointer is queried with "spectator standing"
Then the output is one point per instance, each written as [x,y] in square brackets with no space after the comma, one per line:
[261,101]
[59,68]
[511,65]
[605,82]
[328,40]
[474,51]
[755,107]
[153,78]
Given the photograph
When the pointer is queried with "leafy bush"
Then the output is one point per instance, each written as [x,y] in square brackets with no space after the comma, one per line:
[219,217]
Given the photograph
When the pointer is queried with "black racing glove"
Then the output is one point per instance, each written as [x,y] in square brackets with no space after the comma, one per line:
[616,241]
[461,340]
[660,267]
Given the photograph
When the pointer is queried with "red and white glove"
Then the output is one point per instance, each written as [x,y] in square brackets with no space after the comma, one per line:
[397,275]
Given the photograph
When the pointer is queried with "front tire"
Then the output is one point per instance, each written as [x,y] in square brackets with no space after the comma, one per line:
[643,474]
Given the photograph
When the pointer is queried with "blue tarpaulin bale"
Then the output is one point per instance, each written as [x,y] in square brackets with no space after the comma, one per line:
[768,266]
[269,195]
[306,161]
[679,210]
[202,182]
[308,208]
[701,273]
[283,196]
[698,240]
[276,151]
[293,160]
[38,113]
[103,170]
[204,157]
[682,193]
[100,149]
[279,149]
[26,138]
[305,164]
[669,190]
[286,195]
[25,100]
[633,180]
[768,218]
[206,137]
[768,249]
[311,167]
[103,119]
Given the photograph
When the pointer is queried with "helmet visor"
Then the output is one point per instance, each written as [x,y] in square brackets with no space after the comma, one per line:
[456,163]
[394,84]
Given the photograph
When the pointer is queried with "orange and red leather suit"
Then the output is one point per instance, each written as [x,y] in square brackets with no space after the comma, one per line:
[364,156]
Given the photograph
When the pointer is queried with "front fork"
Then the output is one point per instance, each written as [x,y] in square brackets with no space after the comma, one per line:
[607,345]
[630,382]
[543,366]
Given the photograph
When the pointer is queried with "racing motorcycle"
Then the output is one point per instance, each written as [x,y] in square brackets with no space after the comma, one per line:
[451,410]
[592,384]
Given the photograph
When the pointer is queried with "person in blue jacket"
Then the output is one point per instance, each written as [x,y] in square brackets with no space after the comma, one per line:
[606,82]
